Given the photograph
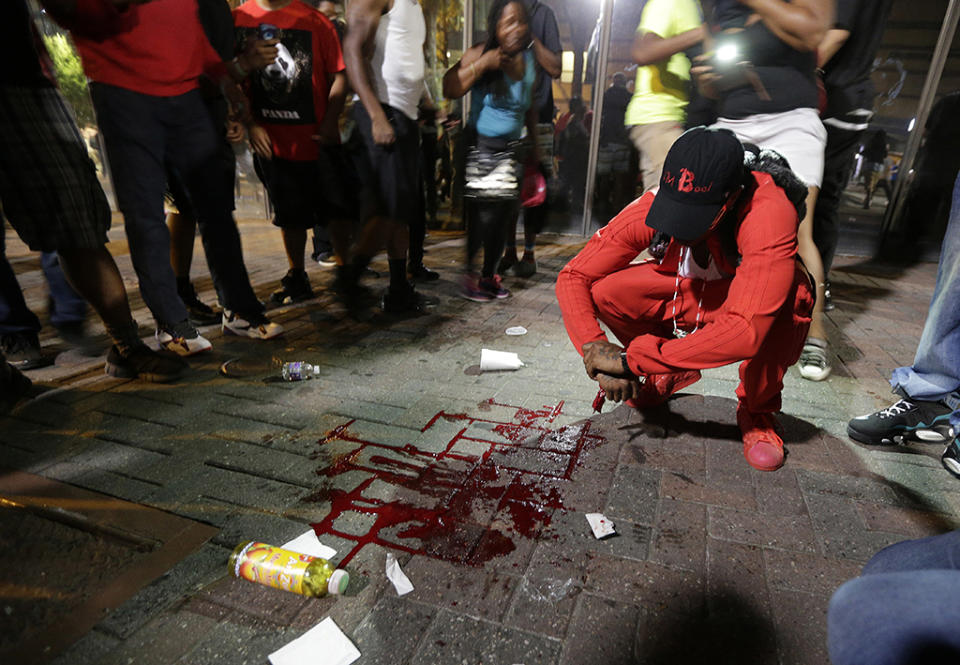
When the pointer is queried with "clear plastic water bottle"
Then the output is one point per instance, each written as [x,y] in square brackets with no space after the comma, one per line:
[299,371]
[291,571]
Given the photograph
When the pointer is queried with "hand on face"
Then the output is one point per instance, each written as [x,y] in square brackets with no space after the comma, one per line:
[513,32]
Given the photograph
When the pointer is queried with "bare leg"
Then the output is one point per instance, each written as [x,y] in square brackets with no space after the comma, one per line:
[295,244]
[94,275]
[811,259]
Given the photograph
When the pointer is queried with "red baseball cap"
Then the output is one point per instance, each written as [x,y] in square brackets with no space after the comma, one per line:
[703,167]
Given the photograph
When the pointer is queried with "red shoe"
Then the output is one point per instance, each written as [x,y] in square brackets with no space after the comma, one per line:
[658,387]
[762,446]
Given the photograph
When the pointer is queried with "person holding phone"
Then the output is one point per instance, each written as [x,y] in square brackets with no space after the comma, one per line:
[501,74]
[773,103]
[296,102]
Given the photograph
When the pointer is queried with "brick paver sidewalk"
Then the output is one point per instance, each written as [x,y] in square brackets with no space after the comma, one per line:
[479,482]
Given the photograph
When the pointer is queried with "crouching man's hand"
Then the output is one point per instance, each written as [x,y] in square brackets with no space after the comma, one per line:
[619,389]
[603,357]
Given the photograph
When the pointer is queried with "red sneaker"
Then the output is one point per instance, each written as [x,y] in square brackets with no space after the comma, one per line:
[658,387]
[762,446]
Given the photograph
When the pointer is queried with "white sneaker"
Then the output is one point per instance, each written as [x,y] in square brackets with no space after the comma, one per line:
[259,327]
[814,364]
[183,339]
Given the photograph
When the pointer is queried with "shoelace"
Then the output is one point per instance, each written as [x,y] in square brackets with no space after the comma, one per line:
[814,357]
[903,406]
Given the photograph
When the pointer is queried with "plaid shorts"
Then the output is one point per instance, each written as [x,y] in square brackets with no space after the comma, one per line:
[48,184]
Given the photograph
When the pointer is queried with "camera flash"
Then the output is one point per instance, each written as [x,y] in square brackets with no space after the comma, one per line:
[727,52]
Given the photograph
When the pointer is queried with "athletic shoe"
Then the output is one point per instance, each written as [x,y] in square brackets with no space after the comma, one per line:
[255,326]
[74,333]
[951,456]
[527,267]
[827,297]
[814,364]
[492,286]
[14,386]
[762,446]
[506,262]
[402,300]
[200,313]
[182,338]
[294,287]
[326,259]
[143,362]
[471,290]
[422,273]
[657,388]
[22,350]
[907,419]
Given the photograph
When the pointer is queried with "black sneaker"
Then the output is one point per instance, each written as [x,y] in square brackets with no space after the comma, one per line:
[913,419]
[144,363]
[951,457]
[422,273]
[200,313]
[401,301]
[294,287]
[22,350]
[14,386]
[827,297]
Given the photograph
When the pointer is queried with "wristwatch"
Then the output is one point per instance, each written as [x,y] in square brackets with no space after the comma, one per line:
[623,361]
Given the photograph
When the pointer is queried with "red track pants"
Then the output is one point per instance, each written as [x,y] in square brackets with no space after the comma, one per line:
[639,301]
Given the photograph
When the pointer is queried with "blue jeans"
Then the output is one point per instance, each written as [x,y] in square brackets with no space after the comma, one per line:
[144,135]
[903,608]
[935,373]
[16,317]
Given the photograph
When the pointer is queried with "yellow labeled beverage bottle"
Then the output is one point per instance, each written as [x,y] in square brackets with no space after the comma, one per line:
[283,569]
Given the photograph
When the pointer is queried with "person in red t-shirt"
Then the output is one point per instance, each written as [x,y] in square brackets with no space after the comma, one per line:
[144,61]
[296,102]
[727,287]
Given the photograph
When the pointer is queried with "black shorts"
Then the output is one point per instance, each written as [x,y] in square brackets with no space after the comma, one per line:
[311,193]
[390,175]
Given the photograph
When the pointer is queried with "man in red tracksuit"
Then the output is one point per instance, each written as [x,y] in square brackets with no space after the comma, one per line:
[727,287]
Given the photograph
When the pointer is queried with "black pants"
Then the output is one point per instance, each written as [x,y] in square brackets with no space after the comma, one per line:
[838,156]
[143,135]
[487,224]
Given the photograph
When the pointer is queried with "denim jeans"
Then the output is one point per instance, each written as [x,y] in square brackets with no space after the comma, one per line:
[903,609]
[16,317]
[144,135]
[935,373]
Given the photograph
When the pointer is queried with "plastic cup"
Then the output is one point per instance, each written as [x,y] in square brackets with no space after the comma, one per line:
[491,361]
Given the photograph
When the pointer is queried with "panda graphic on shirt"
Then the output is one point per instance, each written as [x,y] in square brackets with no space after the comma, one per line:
[282,93]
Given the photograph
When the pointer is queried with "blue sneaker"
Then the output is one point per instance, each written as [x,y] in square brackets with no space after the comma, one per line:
[907,419]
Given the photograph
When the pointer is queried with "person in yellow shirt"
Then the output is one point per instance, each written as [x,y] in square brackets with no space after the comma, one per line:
[656,112]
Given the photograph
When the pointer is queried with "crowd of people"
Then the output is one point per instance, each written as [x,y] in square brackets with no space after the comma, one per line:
[176,85]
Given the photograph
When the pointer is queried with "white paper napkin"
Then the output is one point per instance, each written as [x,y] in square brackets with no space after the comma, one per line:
[324,644]
[400,581]
[308,543]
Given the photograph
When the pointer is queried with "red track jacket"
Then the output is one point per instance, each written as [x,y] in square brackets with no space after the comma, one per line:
[743,307]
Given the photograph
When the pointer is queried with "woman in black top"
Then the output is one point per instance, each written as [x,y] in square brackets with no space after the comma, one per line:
[762,71]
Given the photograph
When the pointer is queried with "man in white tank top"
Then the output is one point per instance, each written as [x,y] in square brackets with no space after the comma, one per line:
[383,52]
